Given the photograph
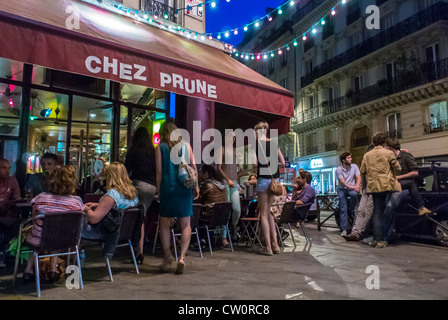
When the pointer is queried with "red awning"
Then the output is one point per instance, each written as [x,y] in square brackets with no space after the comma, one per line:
[119,48]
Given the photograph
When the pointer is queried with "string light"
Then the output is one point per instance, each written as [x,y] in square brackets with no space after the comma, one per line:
[311,31]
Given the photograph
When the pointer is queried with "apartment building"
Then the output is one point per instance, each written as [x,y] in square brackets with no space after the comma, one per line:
[351,81]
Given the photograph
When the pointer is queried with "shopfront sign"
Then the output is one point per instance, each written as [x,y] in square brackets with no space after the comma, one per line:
[317,163]
[115,47]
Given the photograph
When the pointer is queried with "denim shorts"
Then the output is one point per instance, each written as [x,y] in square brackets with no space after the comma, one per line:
[263,184]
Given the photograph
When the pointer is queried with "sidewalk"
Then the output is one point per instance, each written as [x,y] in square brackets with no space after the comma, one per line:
[329,268]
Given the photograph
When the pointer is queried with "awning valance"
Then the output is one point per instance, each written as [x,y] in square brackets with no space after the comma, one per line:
[112,46]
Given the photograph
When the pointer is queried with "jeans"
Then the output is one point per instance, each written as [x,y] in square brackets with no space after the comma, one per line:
[233,195]
[380,200]
[91,232]
[345,194]
[363,214]
[411,186]
[390,212]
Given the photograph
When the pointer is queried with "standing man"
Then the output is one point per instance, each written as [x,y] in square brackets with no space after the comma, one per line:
[349,186]
[381,168]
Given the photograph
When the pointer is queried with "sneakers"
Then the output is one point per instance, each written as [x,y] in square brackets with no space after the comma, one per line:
[351,237]
[423,211]
[367,240]
[344,233]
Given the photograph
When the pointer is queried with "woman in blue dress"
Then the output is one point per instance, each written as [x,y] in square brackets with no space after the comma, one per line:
[176,200]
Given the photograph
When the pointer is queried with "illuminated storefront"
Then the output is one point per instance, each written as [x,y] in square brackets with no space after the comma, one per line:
[323,169]
[81,92]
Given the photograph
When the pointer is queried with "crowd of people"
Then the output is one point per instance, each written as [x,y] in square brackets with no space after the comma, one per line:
[387,175]
[370,193]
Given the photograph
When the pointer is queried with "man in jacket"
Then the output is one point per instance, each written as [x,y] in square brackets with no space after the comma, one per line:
[380,166]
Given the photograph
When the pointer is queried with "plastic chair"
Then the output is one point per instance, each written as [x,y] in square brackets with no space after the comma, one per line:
[175,232]
[219,220]
[61,231]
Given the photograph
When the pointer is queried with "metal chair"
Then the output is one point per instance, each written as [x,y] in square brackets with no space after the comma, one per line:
[130,218]
[61,231]
[197,208]
[300,214]
[219,220]
[285,219]
[248,221]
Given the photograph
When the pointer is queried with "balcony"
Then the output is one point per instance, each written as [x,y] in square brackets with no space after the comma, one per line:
[425,73]
[417,22]
[332,146]
[434,127]
[161,9]
[312,150]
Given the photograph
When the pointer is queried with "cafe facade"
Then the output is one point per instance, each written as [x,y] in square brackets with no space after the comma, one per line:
[80,93]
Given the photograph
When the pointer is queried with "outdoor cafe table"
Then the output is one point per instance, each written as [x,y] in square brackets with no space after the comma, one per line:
[328,200]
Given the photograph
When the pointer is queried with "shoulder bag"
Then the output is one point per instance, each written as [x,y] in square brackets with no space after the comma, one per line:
[187,174]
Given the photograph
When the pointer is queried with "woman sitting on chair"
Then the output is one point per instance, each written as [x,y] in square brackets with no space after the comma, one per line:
[121,194]
[61,197]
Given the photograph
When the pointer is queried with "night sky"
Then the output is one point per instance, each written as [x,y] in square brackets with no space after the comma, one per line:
[235,14]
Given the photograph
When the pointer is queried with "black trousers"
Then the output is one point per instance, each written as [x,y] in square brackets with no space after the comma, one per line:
[411,185]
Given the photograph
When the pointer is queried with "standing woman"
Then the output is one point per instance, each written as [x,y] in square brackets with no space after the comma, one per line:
[176,200]
[265,198]
[141,165]
[228,168]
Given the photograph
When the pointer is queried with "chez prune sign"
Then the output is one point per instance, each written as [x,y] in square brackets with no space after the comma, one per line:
[137,72]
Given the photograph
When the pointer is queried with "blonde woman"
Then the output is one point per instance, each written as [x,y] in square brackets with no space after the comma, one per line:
[263,152]
[121,194]
[176,201]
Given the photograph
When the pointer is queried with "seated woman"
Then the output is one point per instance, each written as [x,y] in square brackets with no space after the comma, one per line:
[121,194]
[211,190]
[62,187]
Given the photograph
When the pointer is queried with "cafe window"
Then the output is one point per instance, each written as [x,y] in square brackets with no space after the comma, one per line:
[437,113]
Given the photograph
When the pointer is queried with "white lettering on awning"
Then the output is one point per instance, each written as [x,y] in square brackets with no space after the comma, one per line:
[123,70]
[189,85]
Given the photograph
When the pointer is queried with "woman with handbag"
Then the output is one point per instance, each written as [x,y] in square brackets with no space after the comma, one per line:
[175,183]
[102,223]
[267,186]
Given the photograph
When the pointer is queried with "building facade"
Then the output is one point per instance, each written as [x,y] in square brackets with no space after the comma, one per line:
[351,81]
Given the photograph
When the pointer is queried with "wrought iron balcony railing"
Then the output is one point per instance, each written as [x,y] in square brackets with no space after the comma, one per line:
[154,7]
[331,146]
[425,73]
[436,126]
[424,18]
[394,134]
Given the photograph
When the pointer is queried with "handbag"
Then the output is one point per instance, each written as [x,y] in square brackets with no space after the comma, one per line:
[111,221]
[187,174]
[275,187]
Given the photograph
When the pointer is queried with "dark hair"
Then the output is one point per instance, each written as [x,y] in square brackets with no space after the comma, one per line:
[393,144]
[309,177]
[379,139]
[49,155]
[211,171]
[344,156]
[141,142]
[370,147]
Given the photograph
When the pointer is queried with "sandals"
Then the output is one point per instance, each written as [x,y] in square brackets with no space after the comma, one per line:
[180,268]
[166,264]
